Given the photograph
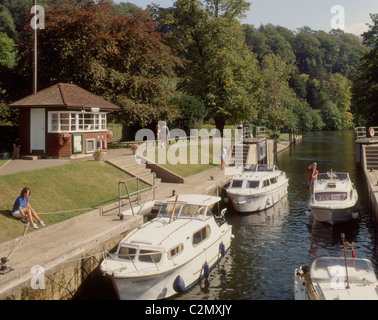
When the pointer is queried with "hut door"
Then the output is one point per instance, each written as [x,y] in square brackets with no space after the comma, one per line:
[37,130]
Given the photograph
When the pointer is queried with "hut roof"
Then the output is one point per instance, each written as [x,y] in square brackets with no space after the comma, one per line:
[65,95]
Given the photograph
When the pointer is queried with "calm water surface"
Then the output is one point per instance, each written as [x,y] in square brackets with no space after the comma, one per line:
[269,245]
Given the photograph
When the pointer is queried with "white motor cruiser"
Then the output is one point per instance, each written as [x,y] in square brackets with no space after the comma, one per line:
[336,278]
[334,198]
[170,253]
[257,188]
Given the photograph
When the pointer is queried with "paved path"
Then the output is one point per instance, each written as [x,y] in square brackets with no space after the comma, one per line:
[18,165]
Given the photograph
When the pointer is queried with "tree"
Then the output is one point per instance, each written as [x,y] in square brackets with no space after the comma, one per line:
[7,51]
[308,53]
[365,82]
[122,58]
[331,116]
[278,43]
[220,70]
[276,92]
[337,88]
[256,41]
[192,112]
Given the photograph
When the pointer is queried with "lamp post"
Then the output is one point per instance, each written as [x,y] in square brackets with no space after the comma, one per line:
[35,52]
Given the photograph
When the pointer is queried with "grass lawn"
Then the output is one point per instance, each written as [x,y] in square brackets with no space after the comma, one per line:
[178,160]
[79,185]
[2,162]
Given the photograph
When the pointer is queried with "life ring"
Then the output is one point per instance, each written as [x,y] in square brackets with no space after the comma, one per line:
[372,132]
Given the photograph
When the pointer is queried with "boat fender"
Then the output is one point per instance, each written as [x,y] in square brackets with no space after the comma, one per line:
[226,200]
[222,249]
[206,270]
[355,215]
[178,284]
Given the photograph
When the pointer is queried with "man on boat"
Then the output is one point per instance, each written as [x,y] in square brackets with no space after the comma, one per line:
[312,173]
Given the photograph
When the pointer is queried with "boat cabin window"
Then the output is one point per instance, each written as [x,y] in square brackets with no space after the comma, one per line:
[236,183]
[201,235]
[127,253]
[149,256]
[273,180]
[176,250]
[266,183]
[253,184]
[330,196]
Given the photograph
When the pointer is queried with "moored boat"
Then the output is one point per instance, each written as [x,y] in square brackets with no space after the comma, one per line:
[334,198]
[257,188]
[170,253]
[336,278]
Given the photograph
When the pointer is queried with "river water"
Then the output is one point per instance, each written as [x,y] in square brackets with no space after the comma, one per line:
[269,245]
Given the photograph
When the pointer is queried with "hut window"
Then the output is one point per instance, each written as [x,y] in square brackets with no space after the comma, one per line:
[76,121]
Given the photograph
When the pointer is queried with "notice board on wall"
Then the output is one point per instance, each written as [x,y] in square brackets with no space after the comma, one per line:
[77,143]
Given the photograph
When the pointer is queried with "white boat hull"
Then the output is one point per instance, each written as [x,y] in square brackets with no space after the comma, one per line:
[257,202]
[160,285]
[334,198]
[334,215]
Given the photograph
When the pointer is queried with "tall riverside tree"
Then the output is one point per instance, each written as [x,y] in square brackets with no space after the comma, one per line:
[119,57]
[220,70]
[337,88]
[276,93]
[365,85]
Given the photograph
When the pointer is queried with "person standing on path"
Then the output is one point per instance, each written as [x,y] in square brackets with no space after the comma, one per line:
[22,209]
[164,135]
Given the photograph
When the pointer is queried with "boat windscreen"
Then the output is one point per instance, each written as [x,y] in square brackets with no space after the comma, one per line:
[253,184]
[127,253]
[328,267]
[332,176]
[150,256]
[182,210]
[236,183]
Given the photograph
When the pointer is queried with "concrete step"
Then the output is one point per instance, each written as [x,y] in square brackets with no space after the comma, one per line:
[135,170]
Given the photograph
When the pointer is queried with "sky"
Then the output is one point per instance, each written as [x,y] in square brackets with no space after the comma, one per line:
[349,15]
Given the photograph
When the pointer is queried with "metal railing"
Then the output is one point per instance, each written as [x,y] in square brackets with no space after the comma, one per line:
[260,132]
[360,132]
[138,192]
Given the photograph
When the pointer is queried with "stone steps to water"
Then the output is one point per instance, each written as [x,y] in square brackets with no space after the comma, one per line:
[371,156]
